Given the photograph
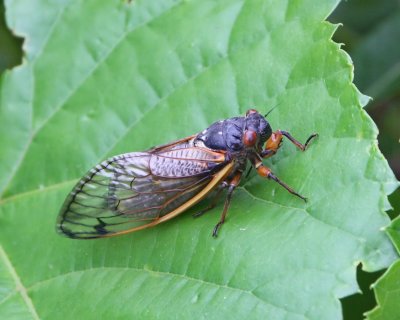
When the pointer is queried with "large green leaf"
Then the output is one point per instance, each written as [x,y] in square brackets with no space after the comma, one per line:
[102,79]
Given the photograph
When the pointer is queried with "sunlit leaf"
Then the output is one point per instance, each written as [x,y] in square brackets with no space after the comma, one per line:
[106,78]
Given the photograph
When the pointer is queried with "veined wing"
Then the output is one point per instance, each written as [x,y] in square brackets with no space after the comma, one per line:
[137,190]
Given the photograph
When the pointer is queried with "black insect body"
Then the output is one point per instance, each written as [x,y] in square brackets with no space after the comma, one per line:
[227,135]
[138,190]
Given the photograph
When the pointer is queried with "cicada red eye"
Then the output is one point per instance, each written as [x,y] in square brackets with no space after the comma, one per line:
[249,138]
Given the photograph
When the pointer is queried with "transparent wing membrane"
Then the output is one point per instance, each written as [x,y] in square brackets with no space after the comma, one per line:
[134,190]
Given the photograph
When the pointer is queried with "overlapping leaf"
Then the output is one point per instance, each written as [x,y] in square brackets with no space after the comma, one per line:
[387,288]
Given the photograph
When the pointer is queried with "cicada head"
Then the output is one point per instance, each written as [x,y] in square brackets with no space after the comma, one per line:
[257,130]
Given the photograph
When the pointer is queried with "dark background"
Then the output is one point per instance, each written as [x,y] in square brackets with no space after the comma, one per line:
[371,35]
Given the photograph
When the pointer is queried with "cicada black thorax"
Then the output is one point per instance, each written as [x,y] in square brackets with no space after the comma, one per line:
[240,137]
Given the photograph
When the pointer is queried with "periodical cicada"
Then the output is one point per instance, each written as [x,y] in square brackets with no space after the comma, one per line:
[138,190]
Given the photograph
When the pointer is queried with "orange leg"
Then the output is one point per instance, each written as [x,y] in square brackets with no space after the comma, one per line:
[232,185]
[265,172]
[273,143]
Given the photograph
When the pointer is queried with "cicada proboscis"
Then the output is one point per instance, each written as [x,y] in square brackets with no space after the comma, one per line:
[138,190]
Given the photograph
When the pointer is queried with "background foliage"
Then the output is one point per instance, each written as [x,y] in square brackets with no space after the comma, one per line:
[179,264]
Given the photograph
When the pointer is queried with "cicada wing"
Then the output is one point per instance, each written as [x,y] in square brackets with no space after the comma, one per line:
[137,190]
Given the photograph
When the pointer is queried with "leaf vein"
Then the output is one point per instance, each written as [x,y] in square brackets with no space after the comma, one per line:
[19,287]
[162,273]
[60,106]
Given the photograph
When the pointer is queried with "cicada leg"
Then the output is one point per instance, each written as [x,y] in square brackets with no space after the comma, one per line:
[265,172]
[232,186]
[274,142]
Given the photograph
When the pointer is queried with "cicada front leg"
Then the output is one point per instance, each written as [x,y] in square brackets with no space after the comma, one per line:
[271,147]
[274,142]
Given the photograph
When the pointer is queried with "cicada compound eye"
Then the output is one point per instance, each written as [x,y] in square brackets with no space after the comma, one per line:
[250,138]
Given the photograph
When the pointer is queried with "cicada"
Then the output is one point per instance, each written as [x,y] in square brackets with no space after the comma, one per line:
[138,190]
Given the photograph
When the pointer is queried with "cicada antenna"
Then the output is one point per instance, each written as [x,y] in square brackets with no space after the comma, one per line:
[272,109]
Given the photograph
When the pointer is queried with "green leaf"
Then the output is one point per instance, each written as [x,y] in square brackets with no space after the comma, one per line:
[386,289]
[100,80]
[394,232]
[387,295]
